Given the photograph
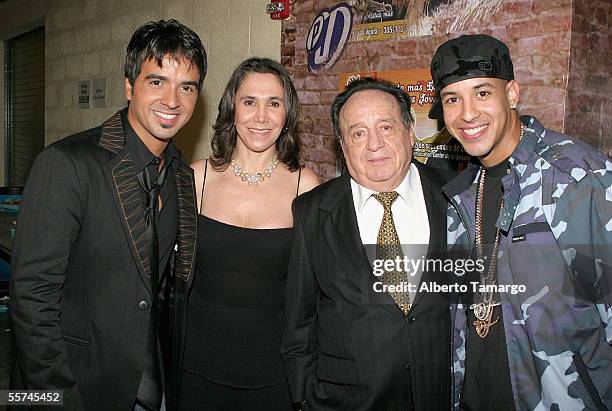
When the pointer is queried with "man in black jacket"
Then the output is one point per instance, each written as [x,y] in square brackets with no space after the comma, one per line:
[360,337]
[104,213]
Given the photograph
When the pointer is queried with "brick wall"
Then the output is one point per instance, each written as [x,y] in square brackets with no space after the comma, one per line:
[589,96]
[538,33]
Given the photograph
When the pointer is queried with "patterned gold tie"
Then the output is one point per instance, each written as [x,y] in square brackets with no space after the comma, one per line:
[388,247]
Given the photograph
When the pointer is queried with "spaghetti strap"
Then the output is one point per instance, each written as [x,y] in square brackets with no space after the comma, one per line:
[203,182]
[297,190]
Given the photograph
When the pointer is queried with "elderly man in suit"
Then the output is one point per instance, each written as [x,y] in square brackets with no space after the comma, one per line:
[356,340]
[105,212]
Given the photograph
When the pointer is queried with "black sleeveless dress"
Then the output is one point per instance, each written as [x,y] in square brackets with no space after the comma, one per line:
[236,320]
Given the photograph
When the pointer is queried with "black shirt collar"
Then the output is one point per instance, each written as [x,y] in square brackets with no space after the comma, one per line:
[498,170]
[141,155]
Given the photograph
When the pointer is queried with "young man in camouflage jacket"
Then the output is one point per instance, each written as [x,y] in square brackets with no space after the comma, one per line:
[534,330]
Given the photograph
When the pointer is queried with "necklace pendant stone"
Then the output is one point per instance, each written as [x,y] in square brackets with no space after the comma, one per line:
[484,326]
[479,311]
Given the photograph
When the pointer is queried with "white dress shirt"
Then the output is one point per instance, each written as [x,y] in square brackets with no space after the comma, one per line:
[409,211]
[409,215]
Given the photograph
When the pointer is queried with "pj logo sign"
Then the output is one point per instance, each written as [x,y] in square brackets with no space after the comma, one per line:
[327,36]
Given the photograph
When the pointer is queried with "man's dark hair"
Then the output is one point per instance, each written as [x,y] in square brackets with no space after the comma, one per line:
[159,39]
[224,139]
[369,83]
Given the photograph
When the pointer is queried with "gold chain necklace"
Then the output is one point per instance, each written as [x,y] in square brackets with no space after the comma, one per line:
[483,310]
[253,179]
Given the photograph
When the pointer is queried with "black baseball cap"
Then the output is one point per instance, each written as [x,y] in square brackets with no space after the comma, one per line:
[465,57]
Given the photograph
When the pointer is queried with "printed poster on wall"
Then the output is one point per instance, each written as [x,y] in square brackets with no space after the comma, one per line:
[432,146]
[379,20]
[368,20]
[387,19]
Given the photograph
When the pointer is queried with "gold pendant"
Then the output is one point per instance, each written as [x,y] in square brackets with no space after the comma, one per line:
[483,326]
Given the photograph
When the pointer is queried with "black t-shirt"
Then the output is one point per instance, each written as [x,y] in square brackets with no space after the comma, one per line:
[487,384]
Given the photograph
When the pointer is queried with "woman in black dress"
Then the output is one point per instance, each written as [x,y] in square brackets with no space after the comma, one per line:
[236,317]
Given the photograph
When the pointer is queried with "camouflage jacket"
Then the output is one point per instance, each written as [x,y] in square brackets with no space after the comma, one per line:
[556,240]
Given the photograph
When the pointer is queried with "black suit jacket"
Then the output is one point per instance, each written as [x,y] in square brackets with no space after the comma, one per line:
[81,289]
[347,347]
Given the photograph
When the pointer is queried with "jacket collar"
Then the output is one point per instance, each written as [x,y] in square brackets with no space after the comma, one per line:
[531,147]
[123,178]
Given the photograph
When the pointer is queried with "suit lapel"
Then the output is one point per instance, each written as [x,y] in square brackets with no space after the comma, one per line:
[436,216]
[341,233]
[187,223]
[121,174]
